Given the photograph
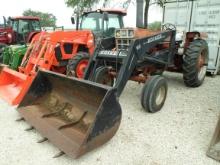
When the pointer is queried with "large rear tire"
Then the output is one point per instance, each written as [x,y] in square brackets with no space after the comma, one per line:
[195,63]
[154,94]
[77,65]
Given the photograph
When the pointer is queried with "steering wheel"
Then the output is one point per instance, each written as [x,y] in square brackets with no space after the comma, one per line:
[169,26]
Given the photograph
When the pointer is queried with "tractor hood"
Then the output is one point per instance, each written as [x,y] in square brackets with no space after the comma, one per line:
[81,37]
[77,37]
[25,18]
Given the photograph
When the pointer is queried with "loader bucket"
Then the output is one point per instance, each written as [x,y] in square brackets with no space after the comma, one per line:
[13,85]
[75,115]
[214,148]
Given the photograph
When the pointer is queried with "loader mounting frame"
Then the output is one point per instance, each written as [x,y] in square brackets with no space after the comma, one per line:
[136,57]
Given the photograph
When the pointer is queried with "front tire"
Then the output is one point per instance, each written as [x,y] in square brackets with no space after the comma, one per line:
[102,76]
[195,63]
[154,94]
[77,65]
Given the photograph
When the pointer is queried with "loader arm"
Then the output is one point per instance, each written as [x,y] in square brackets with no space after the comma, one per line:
[137,53]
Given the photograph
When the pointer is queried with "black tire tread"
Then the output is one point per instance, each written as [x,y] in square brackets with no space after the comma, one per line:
[72,63]
[190,73]
[148,90]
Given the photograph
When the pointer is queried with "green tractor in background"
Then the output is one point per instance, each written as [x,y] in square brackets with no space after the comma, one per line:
[15,33]
[13,55]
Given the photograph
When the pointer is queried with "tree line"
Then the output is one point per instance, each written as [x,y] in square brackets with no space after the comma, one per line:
[49,20]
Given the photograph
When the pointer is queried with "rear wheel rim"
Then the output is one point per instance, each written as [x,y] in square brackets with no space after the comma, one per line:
[201,66]
[81,67]
[160,95]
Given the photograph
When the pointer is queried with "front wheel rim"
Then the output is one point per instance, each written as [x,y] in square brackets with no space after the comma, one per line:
[160,95]
[81,67]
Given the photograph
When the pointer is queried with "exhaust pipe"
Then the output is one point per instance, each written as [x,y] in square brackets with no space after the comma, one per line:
[140,14]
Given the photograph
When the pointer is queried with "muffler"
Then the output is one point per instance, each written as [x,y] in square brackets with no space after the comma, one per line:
[75,115]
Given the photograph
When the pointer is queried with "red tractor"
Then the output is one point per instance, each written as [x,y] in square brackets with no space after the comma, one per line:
[102,24]
[65,52]
[18,30]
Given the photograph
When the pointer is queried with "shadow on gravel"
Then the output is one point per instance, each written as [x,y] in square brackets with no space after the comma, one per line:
[174,78]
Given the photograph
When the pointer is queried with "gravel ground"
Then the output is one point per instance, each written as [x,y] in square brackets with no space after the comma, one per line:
[177,135]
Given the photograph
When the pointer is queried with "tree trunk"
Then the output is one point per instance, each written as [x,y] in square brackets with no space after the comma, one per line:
[147,5]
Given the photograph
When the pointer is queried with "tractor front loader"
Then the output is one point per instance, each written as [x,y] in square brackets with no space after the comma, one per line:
[50,51]
[80,115]
[75,115]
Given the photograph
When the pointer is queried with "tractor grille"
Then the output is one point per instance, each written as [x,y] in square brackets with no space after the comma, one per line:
[124,38]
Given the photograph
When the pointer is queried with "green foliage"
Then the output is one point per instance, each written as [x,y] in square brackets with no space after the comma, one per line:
[47,19]
[80,4]
[158,2]
[155,25]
